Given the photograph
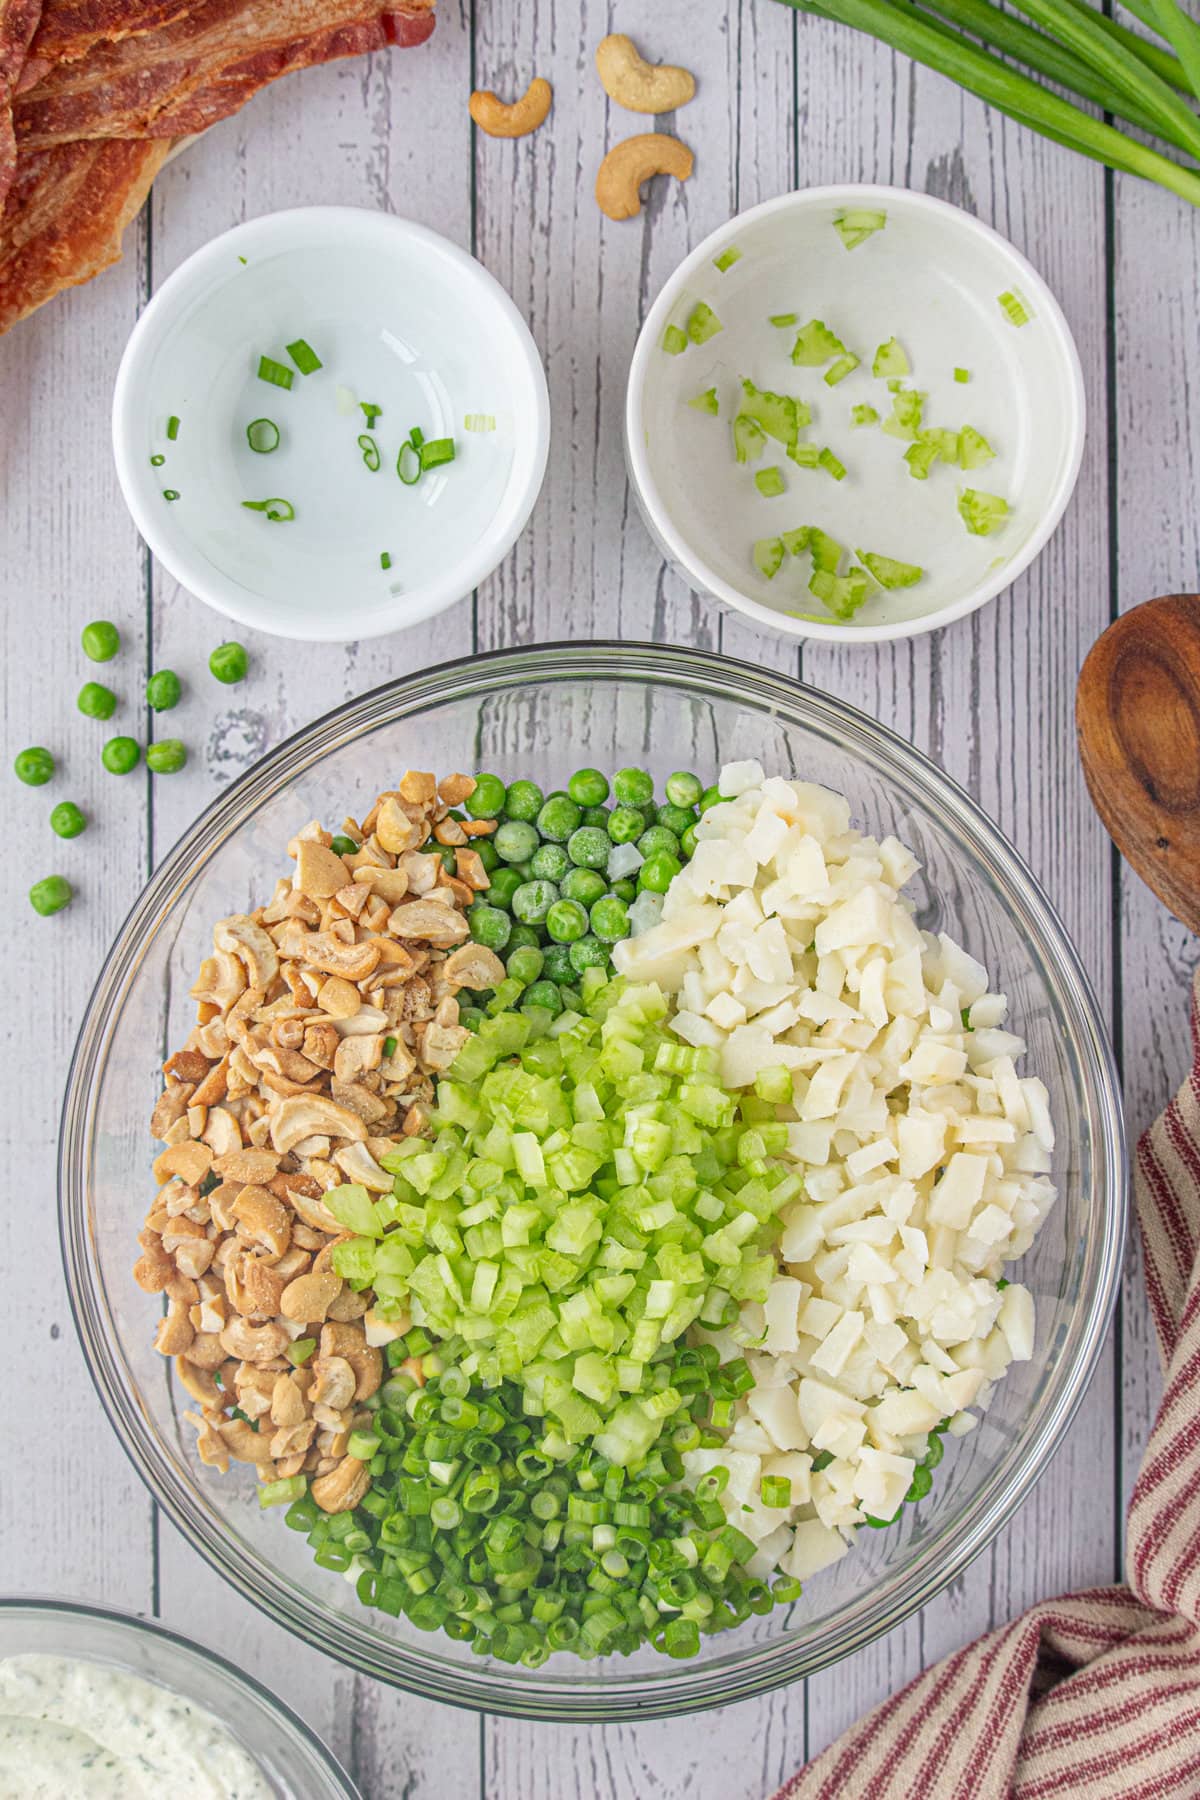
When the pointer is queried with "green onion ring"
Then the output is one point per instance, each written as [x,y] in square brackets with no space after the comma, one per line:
[262,435]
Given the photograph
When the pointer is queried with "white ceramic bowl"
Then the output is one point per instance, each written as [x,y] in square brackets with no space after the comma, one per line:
[931,277]
[401,319]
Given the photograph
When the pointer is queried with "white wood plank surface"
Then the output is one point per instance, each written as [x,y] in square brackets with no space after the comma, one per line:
[782,101]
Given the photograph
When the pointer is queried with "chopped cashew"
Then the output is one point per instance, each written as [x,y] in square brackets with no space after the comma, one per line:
[343,1487]
[518,120]
[640,86]
[633,161]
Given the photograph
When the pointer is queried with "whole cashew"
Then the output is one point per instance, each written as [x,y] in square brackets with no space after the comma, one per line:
[641,86]
[630,163]
[518,120]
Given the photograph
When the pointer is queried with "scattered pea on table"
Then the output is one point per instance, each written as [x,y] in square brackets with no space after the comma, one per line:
[229,663]
[34,766]
[101,640]
[163,690]
[96,701]
[51,894]
[66,820]
[167,756]
[120,755]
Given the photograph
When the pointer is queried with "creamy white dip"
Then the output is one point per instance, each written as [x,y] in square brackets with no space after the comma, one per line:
[70,1729]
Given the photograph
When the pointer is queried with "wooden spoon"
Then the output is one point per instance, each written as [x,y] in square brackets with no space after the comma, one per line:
[1137,713]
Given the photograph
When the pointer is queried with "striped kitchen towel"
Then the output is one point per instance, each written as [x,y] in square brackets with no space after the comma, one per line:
[1095,1696]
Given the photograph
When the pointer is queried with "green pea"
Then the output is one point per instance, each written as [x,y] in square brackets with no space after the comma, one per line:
[656,839]
[100,641]
[66,820]
[167,756]
[558,964]
[675,818]
[523,800]
[684,788]
[515,841]
[95,701]
[589,847]
[566,921]
[487,800]
[504,884]
[588,953]
[121,754]
[558,818]
[658,872]
[524,937]
[625,890]
[163,690]
[489,926]
[711,796]
[524,870]
[542,993]
[595,815]
[471,1017]
[633,787]
[485,850]
[625,824]
[229,663]
[343,846]
[584,885]
[444,854]
[533,900]
[687,842]
[610,919]
[525,965]
[51,894]
[549,862]
[34,766]
[588,787]
[922,1481]
[935,1452]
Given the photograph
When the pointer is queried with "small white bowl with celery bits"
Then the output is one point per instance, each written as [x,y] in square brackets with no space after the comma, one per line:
[854,412]
[330,423]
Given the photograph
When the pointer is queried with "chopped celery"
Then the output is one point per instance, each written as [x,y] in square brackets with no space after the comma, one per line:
[1015,307]
[982,513]
[855,226]
[780,416]
[796,541]
[783,319]
[749,439]
[674,341]
[826,551]
[816,344]
[842,594]
[891,359]
[963,375]
[706,402]
[703,323]
[921,457]
[845,365]
[973,449]
[863,415]
[827,460]
[805,456]
[907,405]
[726,259]
[768,556]
[888,572]
[770,482]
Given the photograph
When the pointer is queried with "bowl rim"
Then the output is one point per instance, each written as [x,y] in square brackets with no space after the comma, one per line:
[646,489]
[174,548]
[760,1668]
[119,1621]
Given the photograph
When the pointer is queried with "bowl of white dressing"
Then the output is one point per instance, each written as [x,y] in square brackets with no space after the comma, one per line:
[104,1704]
[330,423]
[854,413]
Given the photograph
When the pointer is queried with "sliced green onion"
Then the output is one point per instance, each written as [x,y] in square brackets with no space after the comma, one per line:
[845,365]
[479,422]
[770,482]
[768,556]
[1014,307]
[277,510]
[891,359]
[408,463]
[816,344]
[262,435]
[703,323]
[863,415]
[277,373]
[170,493]
[370,412]
[173,427]
[827,460]
[675,341]
[156,462]
[982,513]
[370,450]
[749,439]
[436,452]
[416,437]
[706,402]
[776,1490]
[385,562]
[888,572]
[857,225]
[962,375]
[783,320]
[304,357]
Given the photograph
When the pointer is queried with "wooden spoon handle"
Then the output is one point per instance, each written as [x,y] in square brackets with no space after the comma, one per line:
[1137,713]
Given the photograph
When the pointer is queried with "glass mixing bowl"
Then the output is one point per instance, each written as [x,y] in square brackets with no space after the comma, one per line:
[295,1762]
[544,712]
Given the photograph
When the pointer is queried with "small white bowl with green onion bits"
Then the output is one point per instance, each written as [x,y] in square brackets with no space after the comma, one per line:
[330,423]
[854,412]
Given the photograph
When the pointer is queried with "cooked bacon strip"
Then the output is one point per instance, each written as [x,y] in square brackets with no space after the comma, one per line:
[183,76]
[66,211]
[18,22]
